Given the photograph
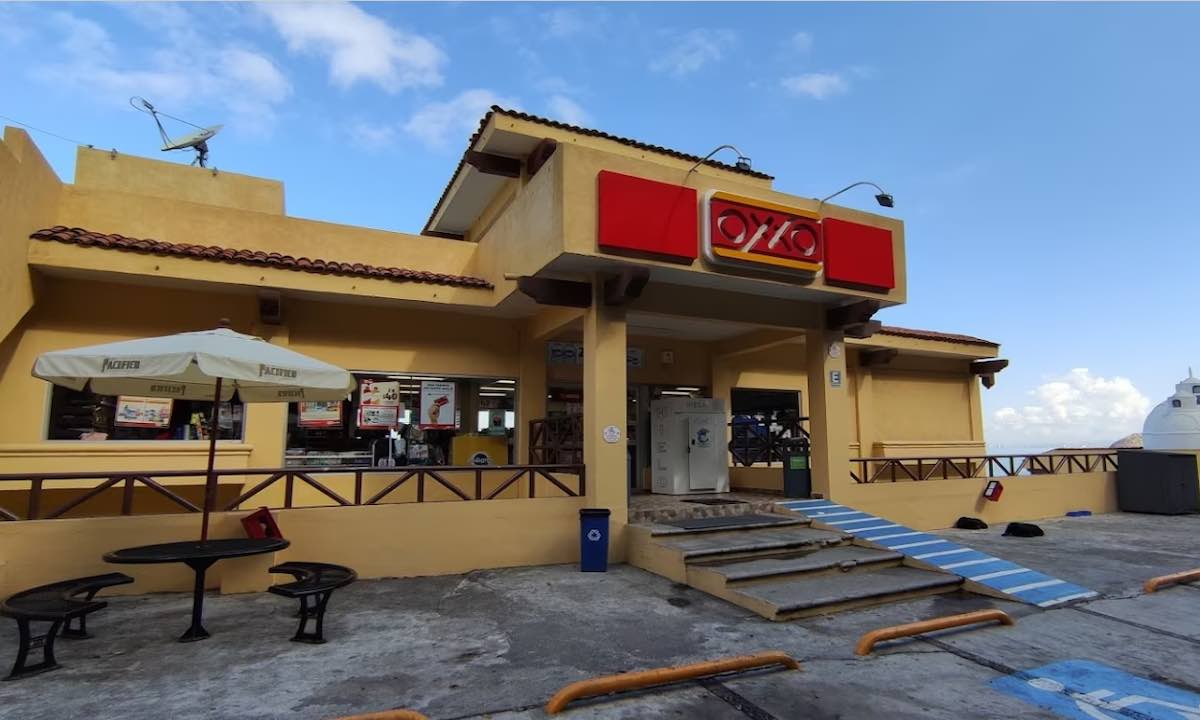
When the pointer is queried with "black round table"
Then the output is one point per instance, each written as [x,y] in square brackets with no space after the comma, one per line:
[199,556]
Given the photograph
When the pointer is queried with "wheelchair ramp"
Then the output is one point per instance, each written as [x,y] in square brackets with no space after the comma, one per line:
[1002,577]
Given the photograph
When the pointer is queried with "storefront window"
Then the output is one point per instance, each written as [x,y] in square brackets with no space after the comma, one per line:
[77,415]
[399,419]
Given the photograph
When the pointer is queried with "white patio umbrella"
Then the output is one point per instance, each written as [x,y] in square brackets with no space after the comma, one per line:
[205,365]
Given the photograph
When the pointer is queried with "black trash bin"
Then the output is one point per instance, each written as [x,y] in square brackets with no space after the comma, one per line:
[797,470]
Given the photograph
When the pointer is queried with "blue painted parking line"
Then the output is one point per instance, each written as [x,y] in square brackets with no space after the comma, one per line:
[1019,582]
[1086,690]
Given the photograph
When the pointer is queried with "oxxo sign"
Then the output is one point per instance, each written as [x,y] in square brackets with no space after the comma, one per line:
[744,231]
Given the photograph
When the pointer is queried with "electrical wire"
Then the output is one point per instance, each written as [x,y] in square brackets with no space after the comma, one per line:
[45,132]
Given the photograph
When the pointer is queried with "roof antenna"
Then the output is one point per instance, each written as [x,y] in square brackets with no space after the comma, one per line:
[197,141]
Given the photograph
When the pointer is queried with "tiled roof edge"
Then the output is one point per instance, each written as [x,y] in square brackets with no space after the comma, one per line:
[261,258]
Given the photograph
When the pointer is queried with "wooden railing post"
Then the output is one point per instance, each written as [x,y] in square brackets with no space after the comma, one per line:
[127,496]
[420,486]
[288,481]
[358,483]
[479,483]
[35,499]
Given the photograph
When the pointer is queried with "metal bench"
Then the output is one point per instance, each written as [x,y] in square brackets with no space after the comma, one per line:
[314,583]
[57,603]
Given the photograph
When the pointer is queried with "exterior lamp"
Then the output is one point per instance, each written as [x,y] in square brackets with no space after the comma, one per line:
[743,162]
[883,198]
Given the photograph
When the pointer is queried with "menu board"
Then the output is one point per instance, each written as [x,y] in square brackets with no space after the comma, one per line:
[438,408]
[143,412]
[321,414]
[379,404]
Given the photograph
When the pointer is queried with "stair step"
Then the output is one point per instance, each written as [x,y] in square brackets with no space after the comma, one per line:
[800,595]
[846,557]
[720,524]
[693,546]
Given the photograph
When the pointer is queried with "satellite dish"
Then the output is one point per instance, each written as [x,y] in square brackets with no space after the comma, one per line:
[197,141]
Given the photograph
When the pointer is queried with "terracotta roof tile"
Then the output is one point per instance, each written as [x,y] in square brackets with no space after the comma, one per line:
[87,238]
[933,335]
[497,110]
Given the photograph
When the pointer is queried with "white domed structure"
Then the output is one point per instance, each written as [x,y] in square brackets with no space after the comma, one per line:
[1174,424]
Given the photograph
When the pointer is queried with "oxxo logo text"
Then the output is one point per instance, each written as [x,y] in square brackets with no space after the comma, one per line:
[744,231]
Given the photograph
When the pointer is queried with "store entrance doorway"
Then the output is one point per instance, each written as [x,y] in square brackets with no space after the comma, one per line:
[566,399]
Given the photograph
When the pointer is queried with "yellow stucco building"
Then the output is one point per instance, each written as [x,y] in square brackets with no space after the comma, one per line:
[564,274]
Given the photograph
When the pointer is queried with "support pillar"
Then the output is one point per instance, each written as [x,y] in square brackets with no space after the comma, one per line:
[829,411]
[531,389]
[604,382]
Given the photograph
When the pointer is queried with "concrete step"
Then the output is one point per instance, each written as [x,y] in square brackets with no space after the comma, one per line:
[725,524]
[695,546]
[795,597]
[842,558]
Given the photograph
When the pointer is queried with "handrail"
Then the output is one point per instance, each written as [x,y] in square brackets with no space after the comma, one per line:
[443,476]
[387,715]
[661,676]
[1187,576]
[867,641]
[865,470]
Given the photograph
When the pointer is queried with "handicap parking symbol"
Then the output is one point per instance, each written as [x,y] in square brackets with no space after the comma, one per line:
[1091,691]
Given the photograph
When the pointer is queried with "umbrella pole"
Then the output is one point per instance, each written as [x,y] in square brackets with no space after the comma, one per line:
[210,481]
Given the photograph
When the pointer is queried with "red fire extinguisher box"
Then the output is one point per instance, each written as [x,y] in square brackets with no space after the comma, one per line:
[993,490]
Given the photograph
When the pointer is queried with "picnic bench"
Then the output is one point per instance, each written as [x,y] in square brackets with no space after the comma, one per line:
[58,604]
[314,584]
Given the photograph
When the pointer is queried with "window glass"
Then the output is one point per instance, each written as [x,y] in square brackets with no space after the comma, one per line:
[406,419]
[78,415]
[1176,403]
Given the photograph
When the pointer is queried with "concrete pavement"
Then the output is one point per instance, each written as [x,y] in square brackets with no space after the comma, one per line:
[500,643]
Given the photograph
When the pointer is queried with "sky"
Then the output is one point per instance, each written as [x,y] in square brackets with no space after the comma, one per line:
[1043,157]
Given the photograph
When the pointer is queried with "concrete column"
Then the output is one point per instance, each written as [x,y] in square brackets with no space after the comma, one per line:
[829,411]
[531,390]
[265,424]
[975,407]
[864,377]
[604,382]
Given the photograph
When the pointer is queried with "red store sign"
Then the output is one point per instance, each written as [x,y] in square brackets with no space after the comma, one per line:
[746,231]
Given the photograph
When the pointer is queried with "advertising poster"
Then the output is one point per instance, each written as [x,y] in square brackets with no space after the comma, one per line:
[321,414]
[437,405]
[143,412]
[379,404]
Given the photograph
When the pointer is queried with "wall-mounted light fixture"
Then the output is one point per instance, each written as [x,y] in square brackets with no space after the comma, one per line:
[743,162]
[883,198]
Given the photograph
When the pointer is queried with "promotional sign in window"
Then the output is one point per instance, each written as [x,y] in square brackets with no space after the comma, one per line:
[379,404]
[143,412]
[437,405]
[321,414]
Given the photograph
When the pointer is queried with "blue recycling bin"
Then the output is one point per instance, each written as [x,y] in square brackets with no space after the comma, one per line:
[593,539]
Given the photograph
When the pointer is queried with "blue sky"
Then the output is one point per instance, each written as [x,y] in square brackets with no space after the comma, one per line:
[1044,157]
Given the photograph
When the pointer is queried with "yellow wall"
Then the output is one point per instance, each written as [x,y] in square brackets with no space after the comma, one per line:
[378,541]
[934,504]
[29,193]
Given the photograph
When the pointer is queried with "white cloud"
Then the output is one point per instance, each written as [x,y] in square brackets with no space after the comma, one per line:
[435,122]
[359,46]
[801,41]
[818,85]
[184,72]
[371,136]
[567,110]
[693,50]
[1078,408]
[563,22]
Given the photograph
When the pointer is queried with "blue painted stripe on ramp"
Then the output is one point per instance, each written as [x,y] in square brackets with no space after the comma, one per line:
[1019,582]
